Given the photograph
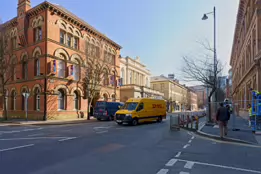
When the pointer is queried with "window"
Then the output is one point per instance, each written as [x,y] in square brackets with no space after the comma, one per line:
[97,51]
[13,43]
[61,99]
[76,72]
[37,67]
[61,69]
[13,72]
[76,100]
[140,107]
[162,86]
[76,43]
[37,34]
[69,40]
[106,78]
[13,102]
[37,99]
[62,37]
[25,70]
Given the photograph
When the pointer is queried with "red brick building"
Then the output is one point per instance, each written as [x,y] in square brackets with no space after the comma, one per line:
[50,48]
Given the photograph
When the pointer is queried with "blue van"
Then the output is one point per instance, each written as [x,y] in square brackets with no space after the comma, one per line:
[106,110]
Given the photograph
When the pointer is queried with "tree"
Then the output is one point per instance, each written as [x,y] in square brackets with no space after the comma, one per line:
[7,66]
[96,73]
[203,70]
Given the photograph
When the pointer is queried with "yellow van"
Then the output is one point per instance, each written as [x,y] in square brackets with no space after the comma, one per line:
[137,110]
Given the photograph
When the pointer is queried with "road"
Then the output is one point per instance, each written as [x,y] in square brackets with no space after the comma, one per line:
[104,147]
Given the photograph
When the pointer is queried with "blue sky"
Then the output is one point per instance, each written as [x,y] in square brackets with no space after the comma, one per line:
[159,32]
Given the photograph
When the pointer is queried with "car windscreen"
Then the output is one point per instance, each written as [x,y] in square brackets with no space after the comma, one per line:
[130,106]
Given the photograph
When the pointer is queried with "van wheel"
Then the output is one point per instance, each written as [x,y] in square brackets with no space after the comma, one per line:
[135,122]
[159,119]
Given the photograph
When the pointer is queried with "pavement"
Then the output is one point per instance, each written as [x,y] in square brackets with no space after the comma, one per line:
[105,147]
[48,122]
[238,131]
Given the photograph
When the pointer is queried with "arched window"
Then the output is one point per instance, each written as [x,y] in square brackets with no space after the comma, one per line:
[13,102]
[106,78]
[37,64]
[25,68]
[122,76]
[76,72]
[76,100]
[61,69]
[37,99]
[61,99]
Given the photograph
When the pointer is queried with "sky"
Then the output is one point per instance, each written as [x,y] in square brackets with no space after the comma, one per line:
[160,32]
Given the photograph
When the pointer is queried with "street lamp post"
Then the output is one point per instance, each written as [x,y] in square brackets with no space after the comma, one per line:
[26,95]
[205,17]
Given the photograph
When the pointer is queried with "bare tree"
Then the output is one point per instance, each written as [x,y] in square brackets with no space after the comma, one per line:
[7,66]
[96,73]
[203,70]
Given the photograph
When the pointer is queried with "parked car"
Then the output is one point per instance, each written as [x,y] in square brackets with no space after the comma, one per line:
[106,110]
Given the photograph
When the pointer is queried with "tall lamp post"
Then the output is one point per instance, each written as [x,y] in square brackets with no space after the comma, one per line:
[205,17]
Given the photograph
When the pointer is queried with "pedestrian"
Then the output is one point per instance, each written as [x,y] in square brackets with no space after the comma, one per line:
[222,117]
[251,120]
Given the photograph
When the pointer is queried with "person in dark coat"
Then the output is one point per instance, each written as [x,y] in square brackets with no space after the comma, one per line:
[222,117]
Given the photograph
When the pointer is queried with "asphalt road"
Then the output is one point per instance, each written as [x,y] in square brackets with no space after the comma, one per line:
[104,147]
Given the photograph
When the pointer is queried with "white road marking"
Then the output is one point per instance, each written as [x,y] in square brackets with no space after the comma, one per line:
[65,139]
[178,154]
[189,165]
[189,133]
[163,171]
[221,166]
[171,162]
[216,126]
[31,138]
[33,135]
[187,145]
[183,172]
[189,141]
[18,147]
[101,132]
[192,137]
[18,131]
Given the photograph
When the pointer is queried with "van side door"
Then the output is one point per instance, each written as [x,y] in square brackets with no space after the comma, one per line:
[141,111]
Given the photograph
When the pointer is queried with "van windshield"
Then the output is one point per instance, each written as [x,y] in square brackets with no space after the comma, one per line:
[130,106]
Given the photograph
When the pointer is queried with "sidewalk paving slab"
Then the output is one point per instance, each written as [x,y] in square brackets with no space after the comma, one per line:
[48,122]
[243,135]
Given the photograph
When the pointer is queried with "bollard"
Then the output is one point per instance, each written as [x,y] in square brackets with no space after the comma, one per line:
[187,125]
[197,122]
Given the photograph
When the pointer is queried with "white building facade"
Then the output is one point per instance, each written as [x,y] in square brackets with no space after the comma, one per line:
[135,80]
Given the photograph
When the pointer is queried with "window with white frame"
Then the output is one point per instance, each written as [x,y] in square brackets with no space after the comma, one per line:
[62,37]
